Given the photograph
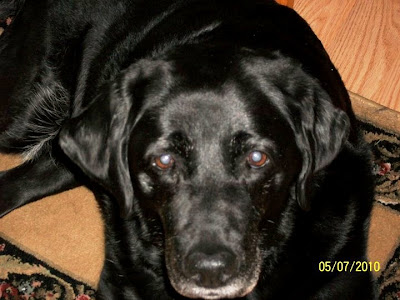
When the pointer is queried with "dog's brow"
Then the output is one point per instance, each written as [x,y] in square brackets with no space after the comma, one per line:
[238,141]
[240,137]
[181,143]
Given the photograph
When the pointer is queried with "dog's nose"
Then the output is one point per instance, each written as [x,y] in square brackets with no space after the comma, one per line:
[211,269]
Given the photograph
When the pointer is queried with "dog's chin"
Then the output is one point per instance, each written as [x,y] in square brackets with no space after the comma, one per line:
[238,288]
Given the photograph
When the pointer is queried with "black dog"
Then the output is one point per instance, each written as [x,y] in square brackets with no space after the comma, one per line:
[217,136]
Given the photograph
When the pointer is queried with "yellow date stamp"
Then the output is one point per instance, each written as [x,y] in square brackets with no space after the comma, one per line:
[349,266]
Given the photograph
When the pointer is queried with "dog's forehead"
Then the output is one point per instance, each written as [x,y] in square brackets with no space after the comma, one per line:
[211,113]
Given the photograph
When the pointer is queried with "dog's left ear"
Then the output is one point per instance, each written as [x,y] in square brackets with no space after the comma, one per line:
[97,140]
[321,135]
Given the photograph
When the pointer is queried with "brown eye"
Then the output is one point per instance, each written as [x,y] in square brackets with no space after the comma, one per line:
[257,159]
[164,161]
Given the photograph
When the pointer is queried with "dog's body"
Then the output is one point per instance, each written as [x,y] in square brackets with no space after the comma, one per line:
[219,130]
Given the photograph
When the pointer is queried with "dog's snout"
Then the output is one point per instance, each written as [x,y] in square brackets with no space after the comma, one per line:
[211,268]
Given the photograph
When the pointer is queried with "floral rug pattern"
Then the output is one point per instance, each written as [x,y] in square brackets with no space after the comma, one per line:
[24,277]
[386,151]
[389,281]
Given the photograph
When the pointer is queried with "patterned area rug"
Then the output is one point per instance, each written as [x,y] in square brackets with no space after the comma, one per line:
[24,276]
[386,150]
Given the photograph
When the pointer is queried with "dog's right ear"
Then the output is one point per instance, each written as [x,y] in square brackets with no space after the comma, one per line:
[322,133]
[97,139]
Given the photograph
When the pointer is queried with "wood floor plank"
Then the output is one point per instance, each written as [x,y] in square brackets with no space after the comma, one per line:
[363,39]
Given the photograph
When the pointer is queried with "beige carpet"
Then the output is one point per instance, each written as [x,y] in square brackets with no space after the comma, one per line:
[66,231]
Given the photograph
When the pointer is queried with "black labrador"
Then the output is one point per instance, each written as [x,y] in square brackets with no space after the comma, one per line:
[217,136]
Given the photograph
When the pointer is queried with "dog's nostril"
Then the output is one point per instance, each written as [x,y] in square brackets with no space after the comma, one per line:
[210,270]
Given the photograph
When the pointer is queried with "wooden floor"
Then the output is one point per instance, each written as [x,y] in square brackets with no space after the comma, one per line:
[363,39]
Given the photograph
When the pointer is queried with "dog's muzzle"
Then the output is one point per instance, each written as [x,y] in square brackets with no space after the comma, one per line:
[214,272]
[210,268]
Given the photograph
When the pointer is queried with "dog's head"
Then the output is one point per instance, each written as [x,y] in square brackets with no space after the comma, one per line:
[220,149]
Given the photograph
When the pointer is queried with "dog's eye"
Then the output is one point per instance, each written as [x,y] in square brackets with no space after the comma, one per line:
[164,161]
[257,159]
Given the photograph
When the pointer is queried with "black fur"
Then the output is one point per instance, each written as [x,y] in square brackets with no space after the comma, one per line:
[265,173]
